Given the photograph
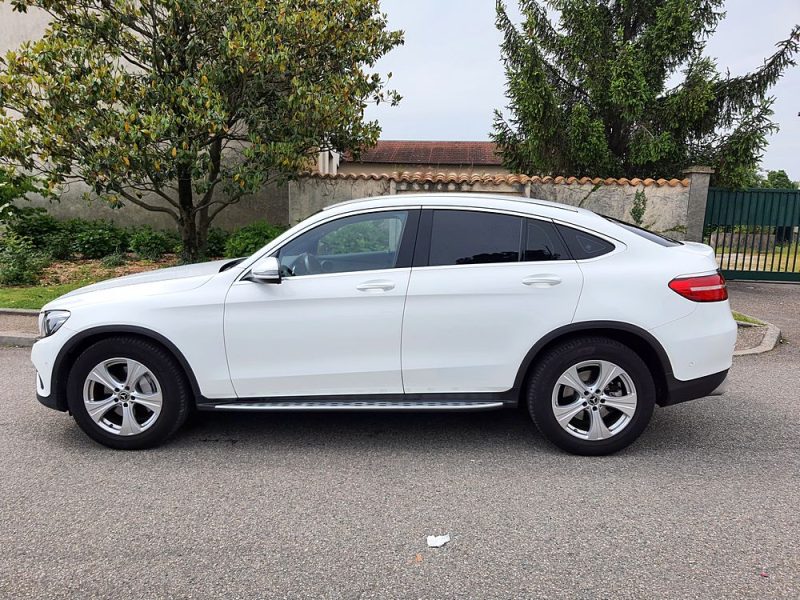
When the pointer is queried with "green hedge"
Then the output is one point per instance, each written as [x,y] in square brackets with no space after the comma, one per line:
[250,238]
[43,238]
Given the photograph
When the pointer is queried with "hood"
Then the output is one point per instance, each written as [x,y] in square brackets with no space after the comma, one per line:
[149,283]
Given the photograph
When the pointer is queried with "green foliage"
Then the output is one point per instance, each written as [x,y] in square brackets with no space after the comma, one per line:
[369,236]
[59,245]
[589,96]
[20,262]
[117,259]
[250,238]
[148,243]
[95,239]
[139,99]
[14,187]
[779,180]
[35,224]
[639,207]
[215,246]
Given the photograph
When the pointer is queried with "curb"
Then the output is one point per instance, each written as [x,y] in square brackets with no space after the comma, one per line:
[19,311]
[770,340]
[25,340]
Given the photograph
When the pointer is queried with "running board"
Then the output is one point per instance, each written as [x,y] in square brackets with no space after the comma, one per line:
[334,406]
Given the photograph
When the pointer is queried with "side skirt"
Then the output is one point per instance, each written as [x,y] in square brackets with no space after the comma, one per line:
[366,403]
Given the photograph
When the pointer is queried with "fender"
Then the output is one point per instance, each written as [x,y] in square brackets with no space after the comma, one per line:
[594,327]
[58,397]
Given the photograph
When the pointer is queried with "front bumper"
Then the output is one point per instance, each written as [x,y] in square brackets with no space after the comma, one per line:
[44,355]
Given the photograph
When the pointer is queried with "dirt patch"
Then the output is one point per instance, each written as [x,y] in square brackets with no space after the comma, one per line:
[76,271]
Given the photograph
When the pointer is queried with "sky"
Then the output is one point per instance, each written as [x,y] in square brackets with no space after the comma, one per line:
[451,78]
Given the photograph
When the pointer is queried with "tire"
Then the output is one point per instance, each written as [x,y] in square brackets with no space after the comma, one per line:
[592,421]
[150,409]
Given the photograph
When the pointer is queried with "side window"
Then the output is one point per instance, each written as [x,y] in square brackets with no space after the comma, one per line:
[542,242]
[460,237]
[357,243]
[584,245]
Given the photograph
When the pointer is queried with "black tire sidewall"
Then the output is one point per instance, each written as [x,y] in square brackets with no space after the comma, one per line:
[174,393]
[558,360]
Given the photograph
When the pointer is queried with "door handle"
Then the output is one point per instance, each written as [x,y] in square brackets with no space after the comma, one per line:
[542,281]
[380,285]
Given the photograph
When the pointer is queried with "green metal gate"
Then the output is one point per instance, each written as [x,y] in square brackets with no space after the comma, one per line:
[754,232]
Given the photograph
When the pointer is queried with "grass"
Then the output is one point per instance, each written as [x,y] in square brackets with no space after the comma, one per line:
[784,259]
[64,276]
[35,297]
[745,319]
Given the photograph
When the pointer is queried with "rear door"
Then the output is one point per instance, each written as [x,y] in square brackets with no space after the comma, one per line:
[484,288]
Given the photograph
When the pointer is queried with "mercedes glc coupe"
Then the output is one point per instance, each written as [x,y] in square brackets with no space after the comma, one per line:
[439,302]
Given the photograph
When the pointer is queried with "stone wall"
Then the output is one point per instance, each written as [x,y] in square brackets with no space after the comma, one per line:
[271,204]
[668,203]
[673,207]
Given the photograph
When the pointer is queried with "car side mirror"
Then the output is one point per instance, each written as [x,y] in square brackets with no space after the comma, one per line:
[266,270]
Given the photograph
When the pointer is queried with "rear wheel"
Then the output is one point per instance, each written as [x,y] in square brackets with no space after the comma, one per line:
[127,393]
[591,396]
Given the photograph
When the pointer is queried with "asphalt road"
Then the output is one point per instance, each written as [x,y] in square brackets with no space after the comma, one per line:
[339,506]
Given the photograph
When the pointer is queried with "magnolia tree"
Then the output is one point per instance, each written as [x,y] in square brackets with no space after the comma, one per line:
[615,88]
[185,106]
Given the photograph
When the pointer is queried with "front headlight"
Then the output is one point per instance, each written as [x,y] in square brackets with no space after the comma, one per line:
[51,320]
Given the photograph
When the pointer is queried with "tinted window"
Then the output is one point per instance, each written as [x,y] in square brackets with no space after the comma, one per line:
[584,245]
[543,242]
[357,243]
[661,240]
[463,238]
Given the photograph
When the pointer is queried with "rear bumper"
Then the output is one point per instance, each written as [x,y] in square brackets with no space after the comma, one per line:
[683,391]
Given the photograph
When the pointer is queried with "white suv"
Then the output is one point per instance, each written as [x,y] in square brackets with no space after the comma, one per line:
[446,302]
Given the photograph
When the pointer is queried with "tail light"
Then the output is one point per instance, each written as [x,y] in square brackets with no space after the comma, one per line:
[704,288]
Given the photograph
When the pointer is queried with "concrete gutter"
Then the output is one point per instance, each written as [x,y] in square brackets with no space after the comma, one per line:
[770,340]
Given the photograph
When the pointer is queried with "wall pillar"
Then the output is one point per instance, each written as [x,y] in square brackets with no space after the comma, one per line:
[699,179]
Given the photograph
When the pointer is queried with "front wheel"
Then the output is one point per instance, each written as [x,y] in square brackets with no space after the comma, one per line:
[591,396]
[127,393]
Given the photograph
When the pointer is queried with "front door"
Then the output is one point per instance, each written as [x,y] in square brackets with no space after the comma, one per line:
[333,324]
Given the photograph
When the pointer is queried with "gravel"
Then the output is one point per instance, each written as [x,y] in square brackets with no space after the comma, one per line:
[339,506]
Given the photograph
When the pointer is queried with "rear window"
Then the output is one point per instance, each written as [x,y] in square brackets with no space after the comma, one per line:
[542,242]
[659,239]
[584,245]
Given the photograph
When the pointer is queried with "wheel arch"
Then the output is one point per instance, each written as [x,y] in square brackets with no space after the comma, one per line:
[82,340]
[636,338]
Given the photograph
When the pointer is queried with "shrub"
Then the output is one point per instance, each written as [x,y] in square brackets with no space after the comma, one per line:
[148,243]
[20,262]
[59,245]
[250,238]
[96,239]
[34,224]
[114,260]
[217,238]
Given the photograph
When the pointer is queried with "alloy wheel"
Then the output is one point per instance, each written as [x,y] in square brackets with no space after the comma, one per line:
[122,396]
[594,400]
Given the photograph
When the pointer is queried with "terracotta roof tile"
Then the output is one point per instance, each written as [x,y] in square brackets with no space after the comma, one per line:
[434,177]
[430,153]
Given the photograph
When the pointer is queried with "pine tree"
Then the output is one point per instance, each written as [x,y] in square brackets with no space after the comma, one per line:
[588,96]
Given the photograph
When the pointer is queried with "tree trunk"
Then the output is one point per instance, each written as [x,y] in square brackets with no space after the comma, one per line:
[191,248]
